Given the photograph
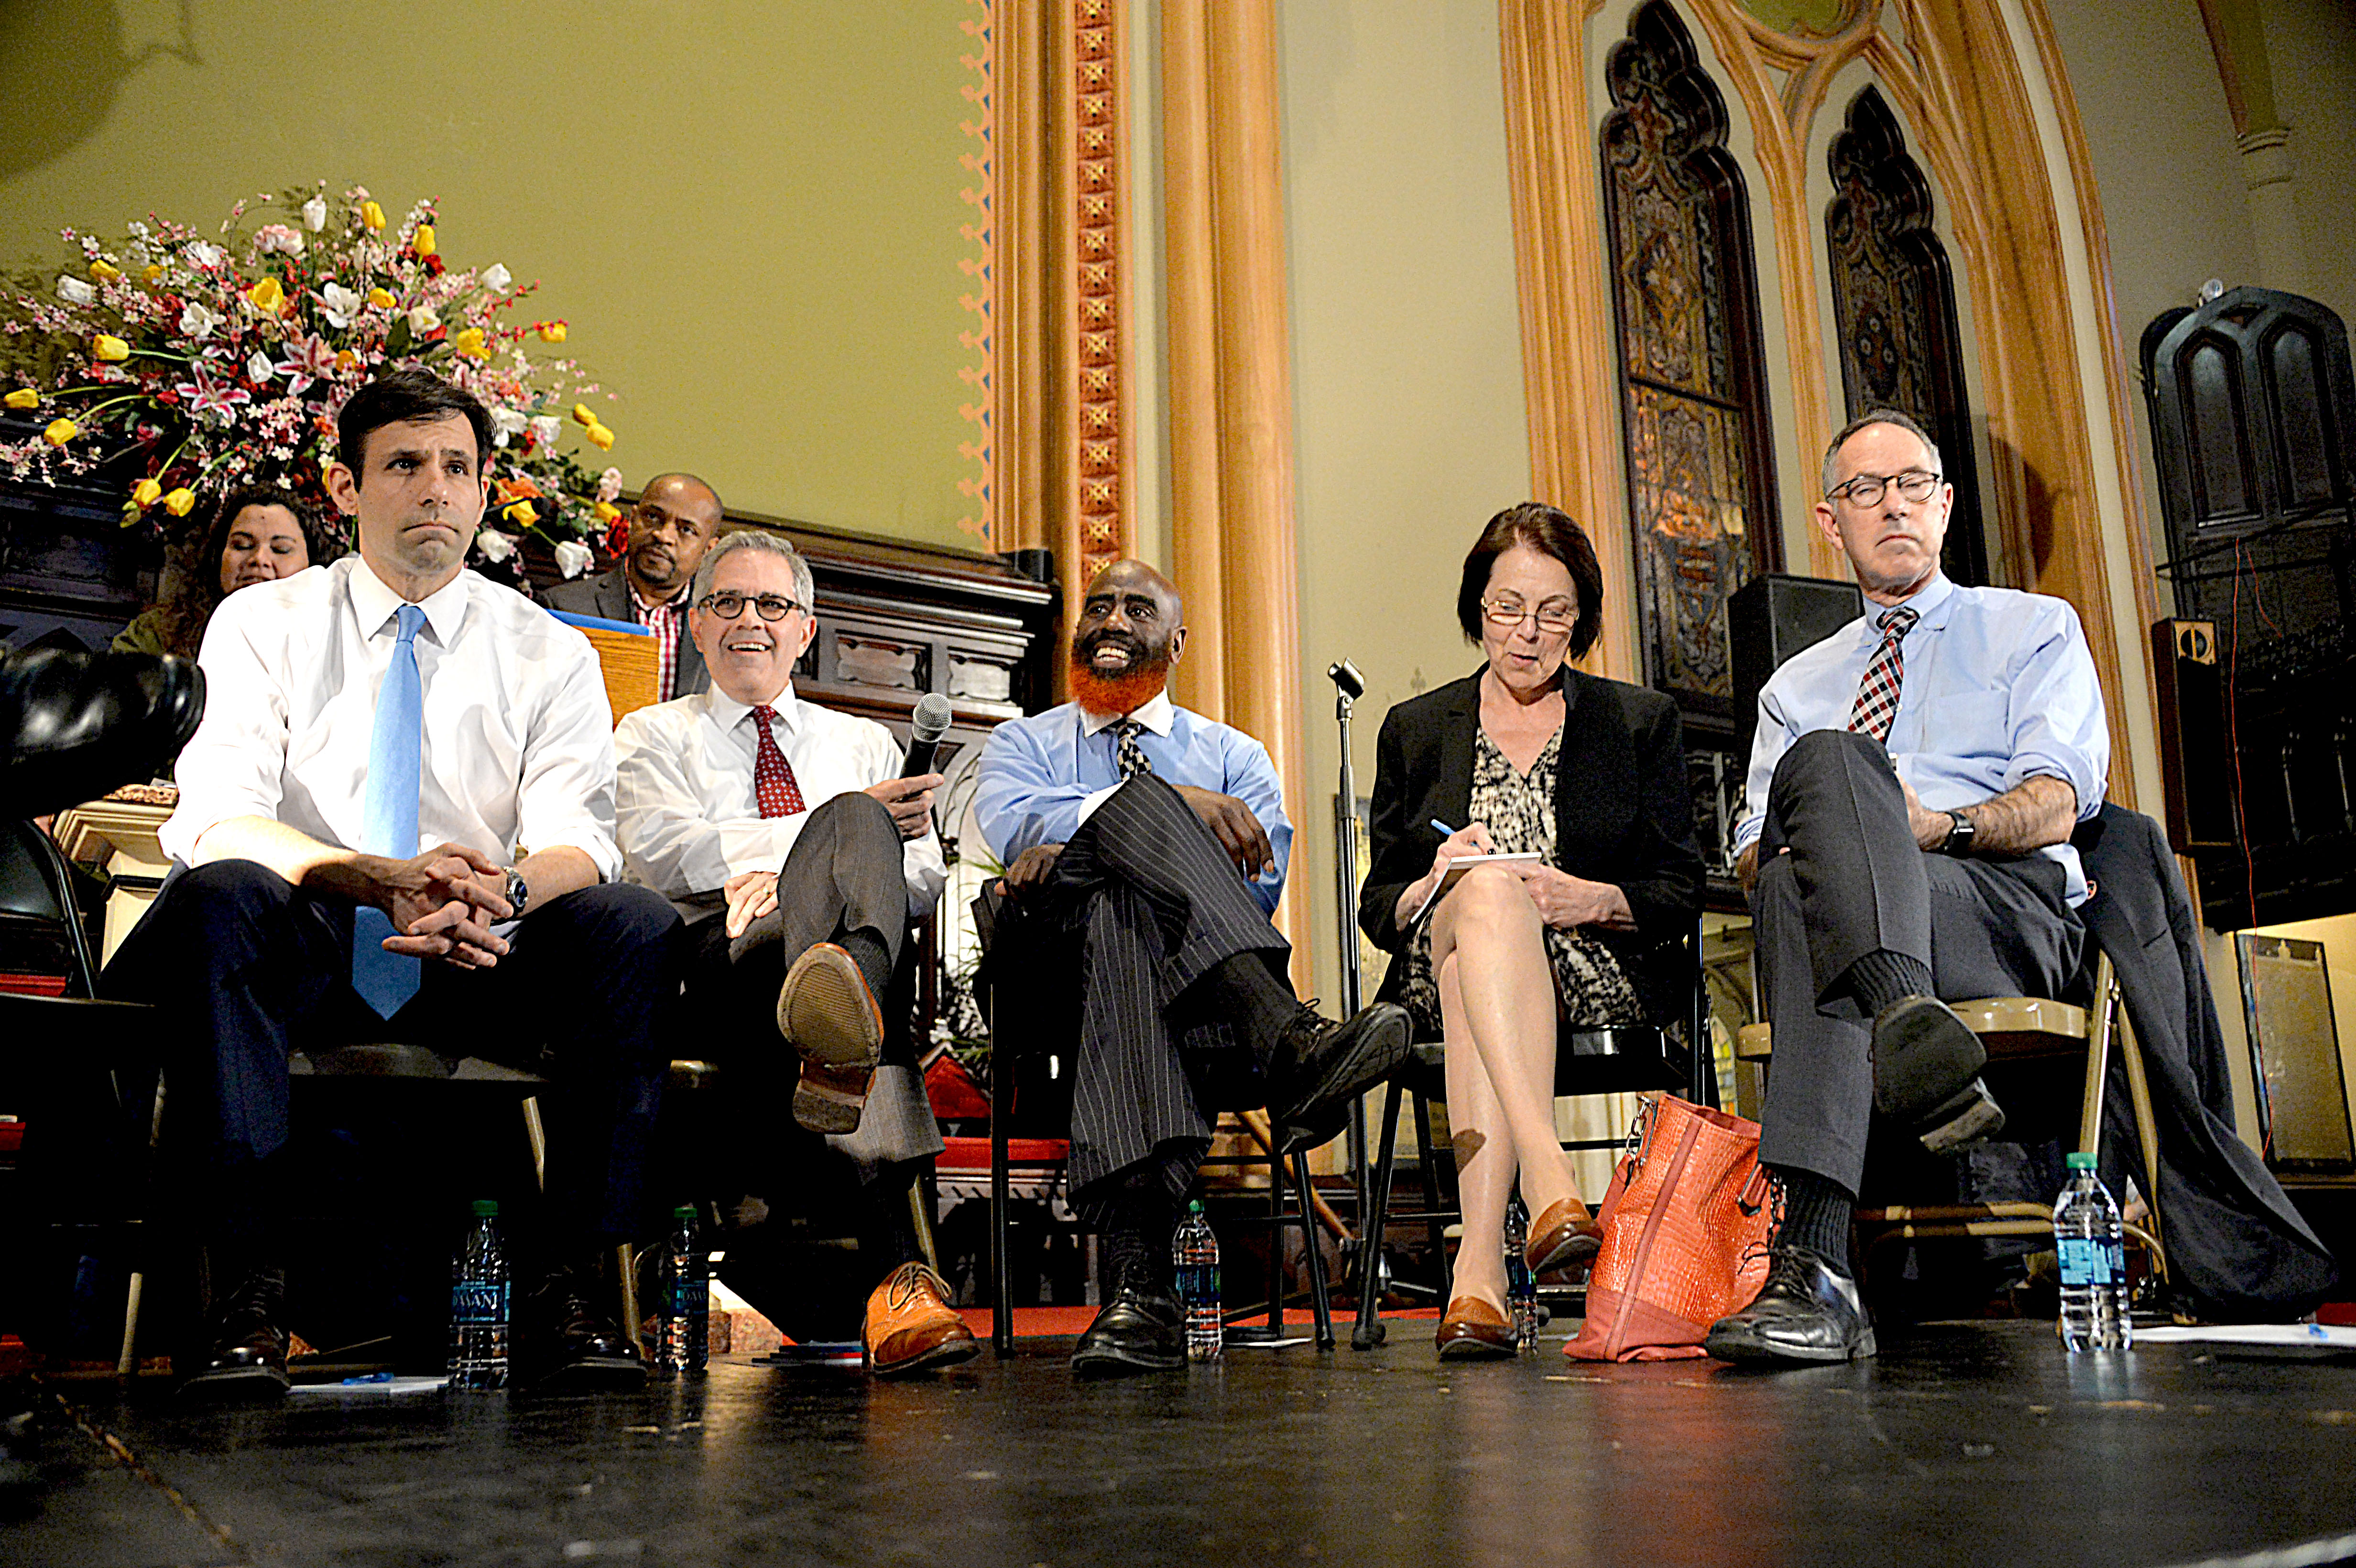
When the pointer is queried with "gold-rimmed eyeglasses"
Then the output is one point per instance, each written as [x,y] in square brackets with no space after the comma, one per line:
[1554,617]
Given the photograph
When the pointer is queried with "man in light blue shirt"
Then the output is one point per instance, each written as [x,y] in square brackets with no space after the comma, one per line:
[1145,849]
[1913,787]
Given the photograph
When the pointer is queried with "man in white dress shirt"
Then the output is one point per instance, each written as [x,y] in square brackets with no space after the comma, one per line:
[396,822]
[782,832]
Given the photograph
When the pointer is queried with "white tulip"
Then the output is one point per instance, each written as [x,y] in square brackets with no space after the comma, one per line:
[314,213]
[424,319]
[497,278]
[546,428]
[343,304]
[199,321]
[572,558]
[495,547]
[259,369]
[508,424]
[73,291]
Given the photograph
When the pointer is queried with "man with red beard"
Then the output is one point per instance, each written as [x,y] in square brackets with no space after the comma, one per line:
[676,519]
[1145,849]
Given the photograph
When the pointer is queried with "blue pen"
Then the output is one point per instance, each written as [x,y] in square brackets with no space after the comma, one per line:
[1445,831]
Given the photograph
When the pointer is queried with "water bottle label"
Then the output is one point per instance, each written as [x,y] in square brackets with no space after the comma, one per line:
[478,1301]
[2086,1261]
[691,1298]
[1197,1283]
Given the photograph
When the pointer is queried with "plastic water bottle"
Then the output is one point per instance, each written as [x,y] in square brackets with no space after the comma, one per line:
[680,1342]
[478,1304]
[2088,1236]
[1521,1286]
[1196,1254]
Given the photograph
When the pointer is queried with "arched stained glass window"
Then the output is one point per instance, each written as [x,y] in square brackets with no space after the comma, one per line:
[1894,305]
[1701,481]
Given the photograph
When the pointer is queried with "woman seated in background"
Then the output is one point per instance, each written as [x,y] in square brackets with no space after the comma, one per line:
[1527,755]
[260,533]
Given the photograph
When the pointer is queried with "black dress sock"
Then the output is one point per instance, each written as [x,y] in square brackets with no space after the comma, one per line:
[1817,1211]
[1136,1244]
[1243,992]
[874,960]
[1883,977]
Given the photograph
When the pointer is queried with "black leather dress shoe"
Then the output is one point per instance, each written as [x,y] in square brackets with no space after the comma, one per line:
[1804,1312]
[1141,1329]
[249,1344]
[76,725]
[1926,1074]
[565,1345]
[1323,1067]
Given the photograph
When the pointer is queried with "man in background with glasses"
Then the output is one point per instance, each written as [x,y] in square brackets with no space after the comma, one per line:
[675,520]
[785,836]
[1912,788]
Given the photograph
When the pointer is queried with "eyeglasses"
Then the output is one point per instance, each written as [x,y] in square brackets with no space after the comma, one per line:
[728,606]
[1866,488]
[1554,617]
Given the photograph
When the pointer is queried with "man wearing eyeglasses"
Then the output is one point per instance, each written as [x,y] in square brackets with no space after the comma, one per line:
[785,838]
[1912,791]
[676,518]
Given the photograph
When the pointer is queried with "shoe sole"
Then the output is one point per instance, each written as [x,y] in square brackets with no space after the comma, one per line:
[247,1385]
[1381,1052]
[1745,1351]
[948,1353]
[1923,1055]
[1476,1350]
[1974,1116]
[1121,1363]
[595,1374]
[827,1013]
[1577,1247]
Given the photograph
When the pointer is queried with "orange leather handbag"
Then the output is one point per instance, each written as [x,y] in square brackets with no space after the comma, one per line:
[1685,1235]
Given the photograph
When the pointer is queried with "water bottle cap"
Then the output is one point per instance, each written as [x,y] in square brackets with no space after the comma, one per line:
[684,1212]
[486,1208]
[2080,1161]
[1195,1207]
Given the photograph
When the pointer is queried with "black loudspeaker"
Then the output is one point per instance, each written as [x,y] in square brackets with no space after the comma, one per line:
[1774,616]
[2195,760]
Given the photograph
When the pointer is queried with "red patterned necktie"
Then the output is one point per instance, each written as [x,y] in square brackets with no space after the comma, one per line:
[773,777]
[1877,694]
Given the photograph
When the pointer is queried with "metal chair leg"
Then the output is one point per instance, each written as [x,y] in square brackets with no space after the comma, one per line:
[1319,1307]
[1368,1332]
[919,1210]
[1002,1288]
[127,1361]
[627,1257]
[2147,1130]
[535,1133]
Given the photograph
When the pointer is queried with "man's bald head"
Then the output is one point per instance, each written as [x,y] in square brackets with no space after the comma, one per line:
[676,518]
[1131,632]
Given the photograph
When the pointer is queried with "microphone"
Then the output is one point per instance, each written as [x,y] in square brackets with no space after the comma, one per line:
[926,726]
[1345,676]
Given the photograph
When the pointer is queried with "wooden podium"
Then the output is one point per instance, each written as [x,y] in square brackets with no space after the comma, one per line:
[116,838]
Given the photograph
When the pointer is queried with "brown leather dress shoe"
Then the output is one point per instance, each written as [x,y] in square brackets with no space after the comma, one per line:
[910,1325]
[1471,1329]
[828,1016]
[1564,1234]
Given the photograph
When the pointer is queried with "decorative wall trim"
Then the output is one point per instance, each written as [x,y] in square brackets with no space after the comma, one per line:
[979,301]
[1098,357]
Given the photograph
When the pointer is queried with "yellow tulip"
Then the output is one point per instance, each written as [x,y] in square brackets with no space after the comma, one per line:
[581,416]
[113,350]
[346,359]
[104,273]
[470,344]
[23,397]
[145,493]
[180,502]
[551,331]
[60,432]
[152,271]
[423,242]
[372,215]
[601,438]
[522,514]
[607,511]
[381,298]
[267,297]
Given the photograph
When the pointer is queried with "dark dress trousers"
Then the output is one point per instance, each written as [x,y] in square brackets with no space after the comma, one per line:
[1854,882]
[1623,811]
[1142,904]
[607,597]
[250,968]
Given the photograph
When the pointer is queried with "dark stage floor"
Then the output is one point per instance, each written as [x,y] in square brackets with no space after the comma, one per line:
[1975,1442]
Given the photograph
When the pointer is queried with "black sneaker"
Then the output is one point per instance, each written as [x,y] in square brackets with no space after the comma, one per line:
[249,1344]
[1926,1075]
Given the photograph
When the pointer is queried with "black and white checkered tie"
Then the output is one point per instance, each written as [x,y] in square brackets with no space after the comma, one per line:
[1127,752]
[1877,694]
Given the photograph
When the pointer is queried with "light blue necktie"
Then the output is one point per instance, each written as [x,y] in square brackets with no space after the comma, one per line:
[388,816]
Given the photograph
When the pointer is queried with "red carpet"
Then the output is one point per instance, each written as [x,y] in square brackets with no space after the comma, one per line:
[1048,1322]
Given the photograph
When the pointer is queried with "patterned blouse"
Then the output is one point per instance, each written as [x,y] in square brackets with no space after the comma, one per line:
[1590,987]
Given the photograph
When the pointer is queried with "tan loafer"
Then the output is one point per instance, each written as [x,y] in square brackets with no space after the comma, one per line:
[1471,1329]
[1564,1234]
[828,1015]
[911,1325]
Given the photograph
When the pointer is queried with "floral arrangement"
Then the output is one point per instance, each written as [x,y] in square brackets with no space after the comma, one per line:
[186,366]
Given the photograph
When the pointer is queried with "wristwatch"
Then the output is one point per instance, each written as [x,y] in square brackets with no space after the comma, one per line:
[1959,841]
[519,892]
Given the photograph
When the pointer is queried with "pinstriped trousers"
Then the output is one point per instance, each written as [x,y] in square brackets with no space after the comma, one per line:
[1142,904]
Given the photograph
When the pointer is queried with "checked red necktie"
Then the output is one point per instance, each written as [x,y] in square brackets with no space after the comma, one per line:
[1877,694]
[773,777]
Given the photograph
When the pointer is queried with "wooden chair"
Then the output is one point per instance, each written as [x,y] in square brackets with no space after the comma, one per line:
[1639,1057]
[2014,1029]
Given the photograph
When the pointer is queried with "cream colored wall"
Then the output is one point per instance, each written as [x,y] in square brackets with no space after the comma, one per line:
[2311,53]
[1411,427]
[747,208]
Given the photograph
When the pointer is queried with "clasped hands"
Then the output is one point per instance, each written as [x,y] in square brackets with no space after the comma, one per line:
[1231,821]
[1562,898]
[442,904]
[752,894]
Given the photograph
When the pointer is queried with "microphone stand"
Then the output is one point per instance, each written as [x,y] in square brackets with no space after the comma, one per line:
[1348,687]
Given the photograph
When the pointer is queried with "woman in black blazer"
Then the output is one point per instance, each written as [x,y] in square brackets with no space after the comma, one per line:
[1526,755]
